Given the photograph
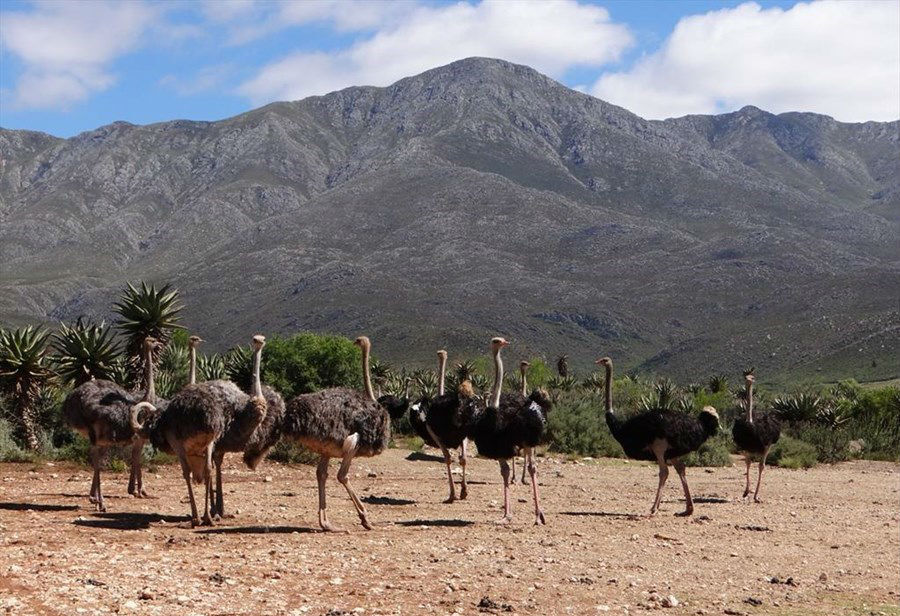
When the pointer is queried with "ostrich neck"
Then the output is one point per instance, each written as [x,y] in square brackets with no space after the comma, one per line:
[524,383]
[607,390]
[150,394]
[498,379]
[443,372]
[257,382]
[750,402]
[367,379]
[192,375]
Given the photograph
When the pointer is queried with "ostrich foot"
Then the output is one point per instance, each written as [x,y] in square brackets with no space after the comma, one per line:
[539,519]
[757,499]
[365,522]
[463,493]
[685,513]
[101,507]
[195,522]
[92,499]
[504,521]
[207,520]
[746,493]
[450,499]
[145,494]
[328,527]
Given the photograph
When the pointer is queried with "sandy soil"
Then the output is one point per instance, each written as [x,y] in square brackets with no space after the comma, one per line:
[825,541]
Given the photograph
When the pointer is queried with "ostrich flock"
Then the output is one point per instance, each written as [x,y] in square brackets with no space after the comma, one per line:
[204,421]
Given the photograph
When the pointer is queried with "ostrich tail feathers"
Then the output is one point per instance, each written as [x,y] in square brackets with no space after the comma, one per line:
[465,389]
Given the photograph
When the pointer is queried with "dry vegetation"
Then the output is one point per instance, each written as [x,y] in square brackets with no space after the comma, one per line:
[825,542]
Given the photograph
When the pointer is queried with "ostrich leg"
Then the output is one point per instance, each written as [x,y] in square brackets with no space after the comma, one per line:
[350,451]
[747,476]
[97,453]
[463,490]
[186,472]
[689,502]
[504,472]
[207,481]
[447,461]
[659,449]
[532,470]
[762,467]
[136,478]
[321,476]
[218,508]
[527,461]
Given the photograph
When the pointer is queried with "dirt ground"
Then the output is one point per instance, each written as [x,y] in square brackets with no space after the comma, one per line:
[825,541]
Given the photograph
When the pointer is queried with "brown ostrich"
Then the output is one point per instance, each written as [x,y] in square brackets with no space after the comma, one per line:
[340,423]
[195,419]
[99,409]
[755,435]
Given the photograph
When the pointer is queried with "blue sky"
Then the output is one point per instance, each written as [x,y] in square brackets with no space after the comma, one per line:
[66,67]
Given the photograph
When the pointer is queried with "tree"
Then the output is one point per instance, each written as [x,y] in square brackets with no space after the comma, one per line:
[85,351]
[308,362]
[146,311]
[24,371]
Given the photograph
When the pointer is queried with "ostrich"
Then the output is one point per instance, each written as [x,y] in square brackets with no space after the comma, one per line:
[99,409]
[443,422]
[509,424]
[237,439]
[660,435]
[523,369]
[340,423]
[196,418]
[755,435]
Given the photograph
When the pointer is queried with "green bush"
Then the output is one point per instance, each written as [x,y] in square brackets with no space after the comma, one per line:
[576,425]
[716,451]
[306,362]
[9,449]
[790,452]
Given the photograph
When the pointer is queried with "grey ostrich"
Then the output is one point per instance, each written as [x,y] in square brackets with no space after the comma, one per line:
[340,423]
[236,439]
[196,418]
[99,410]
[660,435]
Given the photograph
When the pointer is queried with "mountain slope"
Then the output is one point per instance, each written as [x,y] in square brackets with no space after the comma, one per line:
[478,198]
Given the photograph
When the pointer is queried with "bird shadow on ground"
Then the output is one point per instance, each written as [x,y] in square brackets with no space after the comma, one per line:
[36,507]
[386,500]
[603,514]
[709,499]
[418,456]
[434,523]
[258,530]
[128,520]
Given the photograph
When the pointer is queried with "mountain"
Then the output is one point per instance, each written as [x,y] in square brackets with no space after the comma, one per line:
[476,199]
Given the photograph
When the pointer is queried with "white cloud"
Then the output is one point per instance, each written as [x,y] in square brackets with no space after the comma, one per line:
[549,36]
[831,57]
[66,47]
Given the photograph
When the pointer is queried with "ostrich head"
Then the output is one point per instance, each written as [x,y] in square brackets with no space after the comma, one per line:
[498,343]
[524,365]
[604,361]
[363,342]
[749,378]
[194,341]
[465,389]
[258,342]
[152,344]
[442,354]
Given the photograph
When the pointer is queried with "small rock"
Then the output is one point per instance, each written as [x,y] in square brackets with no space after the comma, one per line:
[669,601]
[268,479]
[146,595]
[823,577]
[130,605]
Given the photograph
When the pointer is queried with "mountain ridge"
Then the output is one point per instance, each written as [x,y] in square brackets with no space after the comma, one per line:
[592,224]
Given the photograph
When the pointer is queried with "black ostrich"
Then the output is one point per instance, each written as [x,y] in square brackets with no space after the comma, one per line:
[443,422]
[237,439]
[99,409]
[523,369]
[755,435]
[340,423]
[507,425]
[196,418]
[660,435]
